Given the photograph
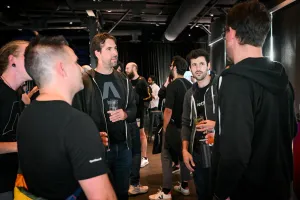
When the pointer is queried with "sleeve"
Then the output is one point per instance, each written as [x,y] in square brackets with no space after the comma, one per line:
[170,97]
[236,133]
[131,107]
[186,119]
[155,92]
[146,90]
[84,148]
[162,92]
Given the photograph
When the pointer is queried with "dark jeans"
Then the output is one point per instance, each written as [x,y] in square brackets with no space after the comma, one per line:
[119,160]
[201,179]
[136,154]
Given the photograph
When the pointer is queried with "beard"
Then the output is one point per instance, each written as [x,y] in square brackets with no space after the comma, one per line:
[171,75]
[201,76]
[130,75]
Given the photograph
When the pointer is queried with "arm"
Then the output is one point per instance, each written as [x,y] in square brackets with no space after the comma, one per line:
[131,108]
[170,98]
[237,127]
[167,118]
[8,147]
[93,186]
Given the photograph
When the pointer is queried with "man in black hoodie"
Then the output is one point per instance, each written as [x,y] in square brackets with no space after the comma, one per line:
[252,156]
[108,98]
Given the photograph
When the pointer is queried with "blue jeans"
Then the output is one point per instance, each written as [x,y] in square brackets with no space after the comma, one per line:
[119,160]
[136,154]
[201,179]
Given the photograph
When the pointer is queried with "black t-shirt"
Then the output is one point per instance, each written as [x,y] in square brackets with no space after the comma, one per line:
[111,91]
[58,145]
[200,105]
[140,87]
[175,97]
[9,116]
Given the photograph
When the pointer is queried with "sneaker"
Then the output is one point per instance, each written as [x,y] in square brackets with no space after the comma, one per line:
[144,162]
[139,189]
[160,195]
[183,191]
[175,169]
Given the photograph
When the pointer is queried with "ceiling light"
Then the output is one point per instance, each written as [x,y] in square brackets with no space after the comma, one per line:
[157,24]
[211,14]
[189,34]
[109,11]
[8,6]
[71,22]
[90,13]
[197,26]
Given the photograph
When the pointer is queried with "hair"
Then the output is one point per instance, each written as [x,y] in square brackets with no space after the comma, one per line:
[180,63]
[196,54]
[40,56]
[98,42]
[152,77]
[8,49]
[251,21]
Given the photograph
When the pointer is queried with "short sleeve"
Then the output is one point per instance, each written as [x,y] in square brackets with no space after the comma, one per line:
[85,148]
[170,97]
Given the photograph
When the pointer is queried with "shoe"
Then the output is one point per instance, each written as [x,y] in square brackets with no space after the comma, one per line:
[144,162]
[139,189]
[175,169]
[160,195]
[183,191]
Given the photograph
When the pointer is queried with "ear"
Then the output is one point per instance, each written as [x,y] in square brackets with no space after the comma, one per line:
[11,59]
[61,70]
[231,33]
[97,53]
[208,66]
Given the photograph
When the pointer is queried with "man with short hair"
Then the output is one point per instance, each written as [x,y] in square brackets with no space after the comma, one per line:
[200,102]
[61,151]
[171,127]
[155,89]
[13,75]
[252,156]
[142,89]
[109,99]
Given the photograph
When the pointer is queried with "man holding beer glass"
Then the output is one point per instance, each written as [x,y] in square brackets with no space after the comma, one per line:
[198,121]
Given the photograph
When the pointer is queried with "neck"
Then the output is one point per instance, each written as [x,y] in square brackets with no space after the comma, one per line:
[12,80]
[136,76]
[178,76]
[54,93]
[204,82]
[104,69]
[247,51]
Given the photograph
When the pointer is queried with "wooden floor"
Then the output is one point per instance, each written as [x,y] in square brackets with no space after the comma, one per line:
[151,175]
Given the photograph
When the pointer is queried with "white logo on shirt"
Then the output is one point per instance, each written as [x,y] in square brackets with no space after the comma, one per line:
[96,160]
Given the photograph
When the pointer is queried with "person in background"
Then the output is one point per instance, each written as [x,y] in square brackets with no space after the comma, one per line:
[252,155]
[155,99]
[142,89]
[13,76]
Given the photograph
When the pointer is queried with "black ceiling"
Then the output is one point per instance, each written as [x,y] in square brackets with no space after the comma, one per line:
[141,19]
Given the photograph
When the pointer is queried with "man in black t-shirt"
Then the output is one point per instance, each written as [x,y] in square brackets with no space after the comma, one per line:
[200,102]
[171,128]
[61,151]
[143,92]
[139,140]
[109,99]
[13,75]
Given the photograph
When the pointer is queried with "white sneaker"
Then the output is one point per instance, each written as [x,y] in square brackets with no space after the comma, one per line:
[139,189]
[160,195]
[144,162]
[180,189]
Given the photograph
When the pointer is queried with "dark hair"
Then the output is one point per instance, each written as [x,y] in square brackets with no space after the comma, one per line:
[98,41]
[196,54]
[251,20]
[180,63]
[8,49]
[39,53]
[152,77]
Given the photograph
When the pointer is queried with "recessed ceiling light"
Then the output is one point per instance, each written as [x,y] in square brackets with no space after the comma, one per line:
[197,26]
[109,11]
[189,34]
[71,22]
[8,6]
[211,14]
[157,24]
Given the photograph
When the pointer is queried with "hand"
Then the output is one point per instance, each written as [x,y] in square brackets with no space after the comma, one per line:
[188,160]
[104,138]
[117,115]
[25,98]
[167,82]
[205,125]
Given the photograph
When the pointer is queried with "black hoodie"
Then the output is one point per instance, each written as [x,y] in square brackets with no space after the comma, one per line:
[252,156]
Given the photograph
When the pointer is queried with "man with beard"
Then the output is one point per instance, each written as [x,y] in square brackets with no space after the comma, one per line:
[143,92]
[13,75]
[109,99]
[171,128]
[199,102]
[252,156]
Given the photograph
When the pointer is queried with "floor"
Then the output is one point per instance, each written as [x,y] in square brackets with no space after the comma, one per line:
[151,175]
